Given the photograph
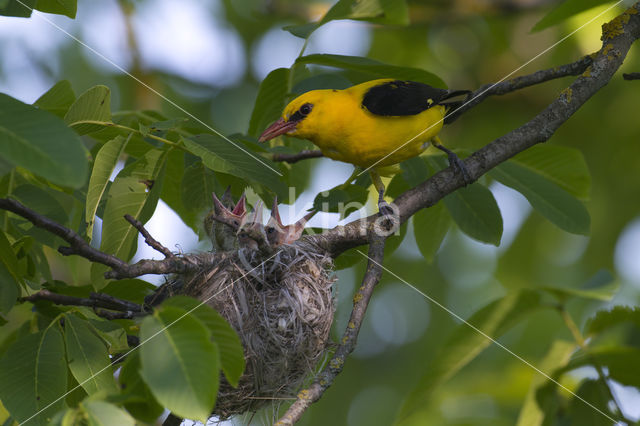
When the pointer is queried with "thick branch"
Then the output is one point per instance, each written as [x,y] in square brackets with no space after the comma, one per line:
[151,242]
[294,158]
[604,65]
[361,299]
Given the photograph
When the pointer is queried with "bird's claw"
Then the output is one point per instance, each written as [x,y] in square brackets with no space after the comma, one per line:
[385,209]
[459,166]
[456,163]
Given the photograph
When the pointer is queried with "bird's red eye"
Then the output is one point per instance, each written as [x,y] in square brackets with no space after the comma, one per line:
[305,109]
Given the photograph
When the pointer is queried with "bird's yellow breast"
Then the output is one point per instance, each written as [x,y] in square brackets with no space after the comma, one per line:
[344,130]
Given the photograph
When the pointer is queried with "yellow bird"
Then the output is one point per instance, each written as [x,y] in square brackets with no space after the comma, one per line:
[371,125]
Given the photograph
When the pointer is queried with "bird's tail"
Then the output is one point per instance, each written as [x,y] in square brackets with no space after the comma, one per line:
[453,104]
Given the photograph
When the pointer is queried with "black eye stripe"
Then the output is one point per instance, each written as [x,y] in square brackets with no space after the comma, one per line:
[305,109]
[301,113]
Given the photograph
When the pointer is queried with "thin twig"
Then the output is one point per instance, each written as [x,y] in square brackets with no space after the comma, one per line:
[294,158]
[631,76]
[111,315]
[77,244]
[511,85]
[361,299]
[151,242]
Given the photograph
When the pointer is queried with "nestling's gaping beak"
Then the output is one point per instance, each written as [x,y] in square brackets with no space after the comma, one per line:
[278,128]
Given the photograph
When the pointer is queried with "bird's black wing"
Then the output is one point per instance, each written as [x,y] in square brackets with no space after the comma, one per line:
[395,98]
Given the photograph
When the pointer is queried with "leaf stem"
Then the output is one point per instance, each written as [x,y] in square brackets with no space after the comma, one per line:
[580,340]
[130,129]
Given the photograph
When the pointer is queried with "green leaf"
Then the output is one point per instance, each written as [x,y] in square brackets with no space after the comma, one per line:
[33,375]
[564,166]
[466,343]
[103,166]
[138,398]
[343,200]
[129,195]
[180,364]
[100,413]
[9,259]
[58,99]
[172,189]
[92,105]
[9,289]
[378,11]
[349,258]
[228,342]
[584,415]
[221,156]
[476,212]
[88,358]
[133,289]
[605,320]
[566,10]
[329,80]
[20,9]
[113,334]
[430,226]
[616,359]
[373,68]
[557,205]
[43,202]
[601,286]
[415,171]
[60,7]
[40,142]
[270,101]
[532,414]
[197,185]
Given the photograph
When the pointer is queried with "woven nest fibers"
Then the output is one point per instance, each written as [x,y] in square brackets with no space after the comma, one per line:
[282,309]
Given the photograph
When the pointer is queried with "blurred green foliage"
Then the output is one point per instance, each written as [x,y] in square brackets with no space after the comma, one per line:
[544,292]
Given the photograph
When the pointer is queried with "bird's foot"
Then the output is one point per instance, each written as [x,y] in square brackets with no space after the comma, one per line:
[385,209]
[457,164]
[389,220]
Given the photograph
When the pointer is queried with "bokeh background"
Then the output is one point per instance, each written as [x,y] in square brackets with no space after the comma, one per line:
[210,57]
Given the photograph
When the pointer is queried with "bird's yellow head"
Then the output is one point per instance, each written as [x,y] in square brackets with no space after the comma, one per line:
[298,117]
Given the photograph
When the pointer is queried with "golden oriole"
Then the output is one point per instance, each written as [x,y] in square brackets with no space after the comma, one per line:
[371,125]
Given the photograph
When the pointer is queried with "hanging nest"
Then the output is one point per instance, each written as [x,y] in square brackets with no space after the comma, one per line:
[282,310]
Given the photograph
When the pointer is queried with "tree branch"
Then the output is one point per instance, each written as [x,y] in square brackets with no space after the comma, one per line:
[151,242]
[119,268]
[77,244]
[631,76]
[361,299]
[511,85]
[294,158]
[125,309]
[604,65]
[596,71]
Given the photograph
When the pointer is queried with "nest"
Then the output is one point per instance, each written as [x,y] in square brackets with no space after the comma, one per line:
[281,308]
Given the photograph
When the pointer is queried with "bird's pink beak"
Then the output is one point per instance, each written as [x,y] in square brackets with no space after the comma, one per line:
[278,128]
